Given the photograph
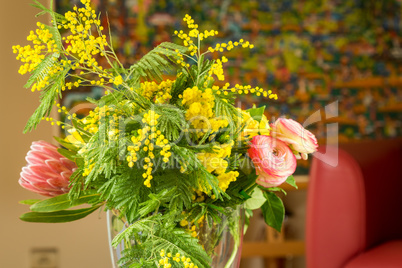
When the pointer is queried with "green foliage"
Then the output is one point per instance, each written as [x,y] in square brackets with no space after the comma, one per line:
[29,201]
[76,181]
[181,83]
[104,154]
[42,69]
[66,144]
[179,241]
[63,202]
[160,236]
[225,109]
[186,157]
[47,98]
[155,201]
[125,192]
[291,181]
[56,36]
[239,191]
[154,63]
[273,211]
[55,209]
[180,198]
[256,201]
[257,113]
[143,225]
[58,216]
[55,16]
[207,182]
[172,121]
[67,154]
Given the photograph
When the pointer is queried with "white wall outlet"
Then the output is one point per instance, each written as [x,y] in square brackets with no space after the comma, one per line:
[44,258]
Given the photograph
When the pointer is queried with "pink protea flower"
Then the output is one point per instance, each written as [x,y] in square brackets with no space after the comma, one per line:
[47,171]
[292,133]
[273,160]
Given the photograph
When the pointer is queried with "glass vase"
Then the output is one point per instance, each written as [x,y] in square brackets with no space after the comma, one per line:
[221,240]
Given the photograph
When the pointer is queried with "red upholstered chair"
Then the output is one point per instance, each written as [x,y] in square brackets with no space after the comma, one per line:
[354,209]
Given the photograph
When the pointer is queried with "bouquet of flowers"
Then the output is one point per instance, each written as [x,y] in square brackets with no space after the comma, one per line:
[166,156]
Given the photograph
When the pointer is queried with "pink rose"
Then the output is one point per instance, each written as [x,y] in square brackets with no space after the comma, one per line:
[273,160]
[295,135]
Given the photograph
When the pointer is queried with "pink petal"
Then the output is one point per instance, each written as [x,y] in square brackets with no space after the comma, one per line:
[31,178]
[57,183]
[68,163]
[35,157]
[52,153]
[56,166]
[41,144]
[27,171]
[44,185]
[65,190]
[35,190]
[66,176]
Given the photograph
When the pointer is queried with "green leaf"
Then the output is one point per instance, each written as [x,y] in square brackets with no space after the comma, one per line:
[67,154]
[273,211]
[245,195]
[41,70]
[62,202]
[45,10]
[256,201]
[54,30]
[256,113]
[171,121]
[80,161]
[153,64]
[274,189]
[58,216]
[225,109]
[29,201]
[47,99]
[155,200]
[180,241]
[142,225]
[66,144]
[291,180]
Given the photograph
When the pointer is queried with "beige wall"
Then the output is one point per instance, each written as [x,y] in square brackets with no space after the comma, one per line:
[81,244]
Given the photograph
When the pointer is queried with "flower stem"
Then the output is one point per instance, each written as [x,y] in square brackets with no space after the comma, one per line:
[233,256]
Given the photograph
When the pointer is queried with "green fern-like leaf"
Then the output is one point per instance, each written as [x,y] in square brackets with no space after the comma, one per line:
[181,83]
[154,63]
[225,109]
[55,35]
[178,240]
[47,99]
[42,69]
[174,179]
[143,225]
[172,121]
[55,16]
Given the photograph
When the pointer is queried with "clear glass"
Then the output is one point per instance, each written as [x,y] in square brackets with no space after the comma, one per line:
[115,225]
[222,241]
